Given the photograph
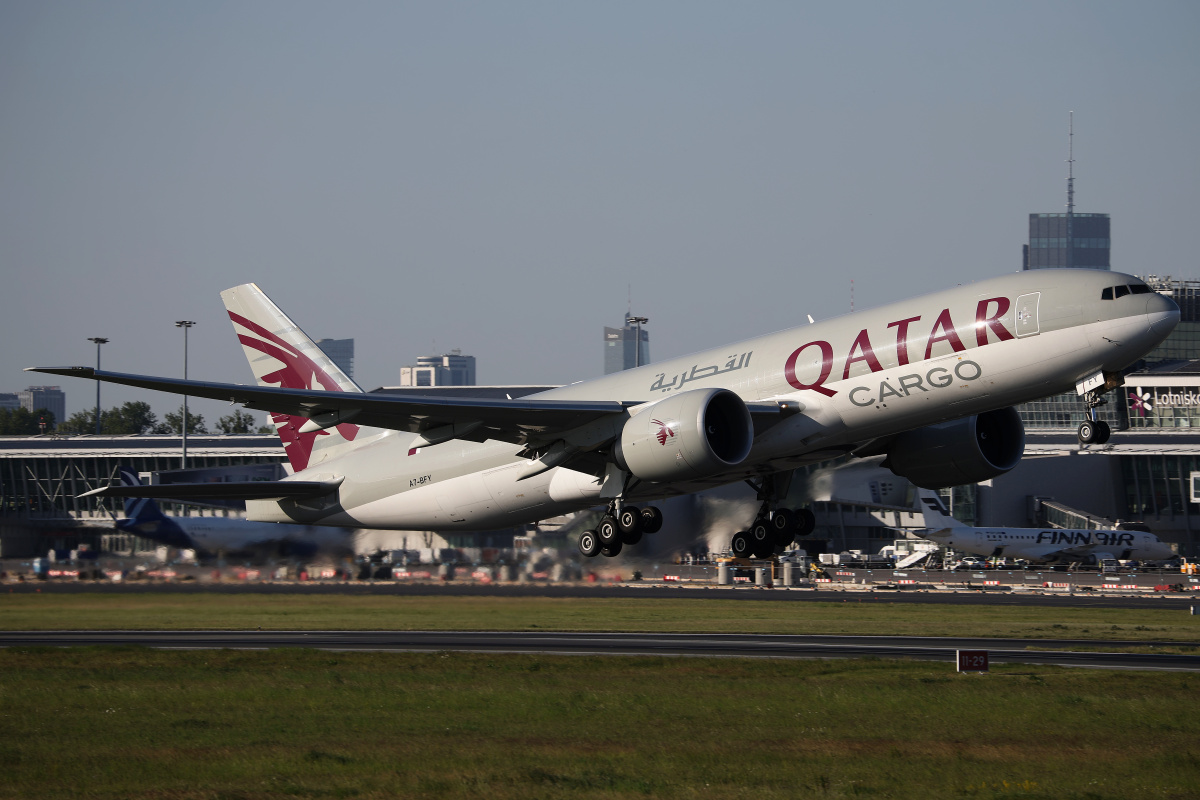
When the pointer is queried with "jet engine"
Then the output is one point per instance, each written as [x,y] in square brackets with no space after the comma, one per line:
[962,451]
[691,435]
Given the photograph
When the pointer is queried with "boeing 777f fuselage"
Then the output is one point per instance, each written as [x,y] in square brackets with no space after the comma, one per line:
[929,382]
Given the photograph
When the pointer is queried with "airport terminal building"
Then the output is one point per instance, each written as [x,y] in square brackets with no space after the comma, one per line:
[42,476]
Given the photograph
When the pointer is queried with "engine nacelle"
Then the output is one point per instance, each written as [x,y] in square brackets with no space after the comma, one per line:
[966,450]
[690,435]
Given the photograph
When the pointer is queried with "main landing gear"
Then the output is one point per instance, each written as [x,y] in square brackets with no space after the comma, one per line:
[775,529]
[619,527]
[1093,430]
[771,531]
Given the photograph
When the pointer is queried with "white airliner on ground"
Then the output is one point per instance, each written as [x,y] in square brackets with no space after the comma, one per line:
[1044,545]
[928,382]
[214,535]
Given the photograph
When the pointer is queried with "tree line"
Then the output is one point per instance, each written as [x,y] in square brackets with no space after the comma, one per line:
[134,417]
[21,421]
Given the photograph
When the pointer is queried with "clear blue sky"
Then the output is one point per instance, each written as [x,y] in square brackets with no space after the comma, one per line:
[494,176]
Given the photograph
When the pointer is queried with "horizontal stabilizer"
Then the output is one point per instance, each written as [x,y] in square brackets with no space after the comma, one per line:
[246,490]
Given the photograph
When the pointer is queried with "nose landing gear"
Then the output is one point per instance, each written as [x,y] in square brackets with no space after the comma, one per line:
[1093,430]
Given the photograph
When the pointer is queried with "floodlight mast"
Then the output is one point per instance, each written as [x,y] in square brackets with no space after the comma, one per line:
[185,324]
[99,340]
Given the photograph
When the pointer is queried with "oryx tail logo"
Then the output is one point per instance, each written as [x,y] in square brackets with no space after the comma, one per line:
[298,371]
[664,431]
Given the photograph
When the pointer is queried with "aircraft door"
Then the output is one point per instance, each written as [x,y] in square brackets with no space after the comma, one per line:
[1027,314]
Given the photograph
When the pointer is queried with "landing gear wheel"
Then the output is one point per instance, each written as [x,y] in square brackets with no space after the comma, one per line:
[631,538]
[611,550]
[1087,432]
[630,521]
[806,522]
[1103,432]
[608,533]
[783,521]
[741,546]
[589,544]
[652,520]
[764,549]
[762,538]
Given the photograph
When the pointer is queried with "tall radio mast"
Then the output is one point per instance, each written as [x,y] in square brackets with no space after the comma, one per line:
[1071,190]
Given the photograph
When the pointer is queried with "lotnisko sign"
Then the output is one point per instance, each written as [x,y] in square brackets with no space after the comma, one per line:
[1147,401]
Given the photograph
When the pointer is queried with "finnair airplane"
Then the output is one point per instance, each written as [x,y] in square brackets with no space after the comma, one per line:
[213,535]
[1043,545]
[928,382]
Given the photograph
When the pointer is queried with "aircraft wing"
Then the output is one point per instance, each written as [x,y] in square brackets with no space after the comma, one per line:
[524,421]
[505,420]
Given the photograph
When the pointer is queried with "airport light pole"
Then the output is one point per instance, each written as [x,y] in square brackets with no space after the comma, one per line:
[185,324]
[99,340]
[637,344]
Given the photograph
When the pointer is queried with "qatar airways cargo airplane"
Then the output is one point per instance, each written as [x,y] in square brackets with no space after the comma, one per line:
[1043,545]
[928,382]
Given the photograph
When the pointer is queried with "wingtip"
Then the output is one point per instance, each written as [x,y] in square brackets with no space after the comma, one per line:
[76,372]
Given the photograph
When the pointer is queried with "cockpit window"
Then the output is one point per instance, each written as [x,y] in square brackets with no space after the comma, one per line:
[1112,292]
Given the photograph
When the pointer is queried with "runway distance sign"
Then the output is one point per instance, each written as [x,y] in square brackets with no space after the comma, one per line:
[972,660]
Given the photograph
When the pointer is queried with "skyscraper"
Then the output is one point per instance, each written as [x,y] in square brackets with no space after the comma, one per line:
[620,350]
[1071,240]
[340,352]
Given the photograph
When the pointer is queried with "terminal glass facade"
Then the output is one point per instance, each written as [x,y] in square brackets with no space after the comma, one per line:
[1156,488]
[1067,411]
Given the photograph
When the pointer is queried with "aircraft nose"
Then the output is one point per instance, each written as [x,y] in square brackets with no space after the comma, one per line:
[1162,312]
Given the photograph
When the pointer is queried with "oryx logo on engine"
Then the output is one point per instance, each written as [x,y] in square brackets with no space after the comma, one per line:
[664,431]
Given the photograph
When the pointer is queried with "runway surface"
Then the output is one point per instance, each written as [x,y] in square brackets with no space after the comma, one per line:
[619,591]
[1057,651]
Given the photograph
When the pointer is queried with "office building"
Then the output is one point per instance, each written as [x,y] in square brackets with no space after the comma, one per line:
[449,369]
[626,347]
[1071,240]
[340,352]
[9,401]
[50,398]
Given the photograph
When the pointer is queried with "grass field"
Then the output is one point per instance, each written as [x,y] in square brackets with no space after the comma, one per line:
[136,723]
[141,723]
[98,611]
